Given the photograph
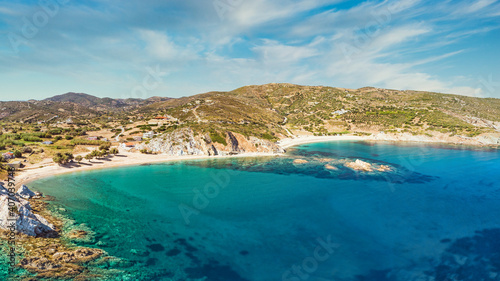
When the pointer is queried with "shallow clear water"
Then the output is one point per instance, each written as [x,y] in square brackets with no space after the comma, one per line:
[435,216]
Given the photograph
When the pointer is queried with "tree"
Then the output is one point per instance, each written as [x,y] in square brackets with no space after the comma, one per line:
[68,156]
[18,154]
[57,138]
[114,150]
[89,157]
[103,153]
[105,146]
[62,159]
[95,153]
[79,158]
[58,158]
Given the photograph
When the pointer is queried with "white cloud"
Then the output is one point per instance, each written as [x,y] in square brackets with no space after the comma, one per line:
[162,47]
[474,7]
[273,51]
[7,11]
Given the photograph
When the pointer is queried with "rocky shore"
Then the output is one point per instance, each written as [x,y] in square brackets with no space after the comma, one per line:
[38,243]
[436,137]
[49,252]
[16,209]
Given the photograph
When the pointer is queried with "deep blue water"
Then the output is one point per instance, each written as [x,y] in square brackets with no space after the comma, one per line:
[435,216]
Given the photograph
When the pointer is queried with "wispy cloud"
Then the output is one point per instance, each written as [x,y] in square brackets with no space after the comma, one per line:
[474,6]
[103,47]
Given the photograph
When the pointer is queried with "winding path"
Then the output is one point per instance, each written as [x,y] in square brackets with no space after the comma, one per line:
[118,137]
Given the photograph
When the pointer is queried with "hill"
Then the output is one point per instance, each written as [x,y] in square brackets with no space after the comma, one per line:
[275,111]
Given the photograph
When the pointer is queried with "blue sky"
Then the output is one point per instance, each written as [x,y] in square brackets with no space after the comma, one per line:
[139,49]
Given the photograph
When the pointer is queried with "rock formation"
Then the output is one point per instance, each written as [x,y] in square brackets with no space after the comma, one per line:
[25,193]
[185,142]
[300,161]
[359,165]
[21,213]
[330,167]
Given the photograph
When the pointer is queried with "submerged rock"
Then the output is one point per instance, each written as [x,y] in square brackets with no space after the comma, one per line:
[330,167]
[300,161]
[359,165]
[384,168]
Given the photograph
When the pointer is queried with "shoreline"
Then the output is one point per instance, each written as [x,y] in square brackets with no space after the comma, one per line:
[48,169]
[125,158]
[290,142]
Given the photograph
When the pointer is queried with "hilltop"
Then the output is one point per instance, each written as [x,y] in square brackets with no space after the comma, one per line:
[249,119]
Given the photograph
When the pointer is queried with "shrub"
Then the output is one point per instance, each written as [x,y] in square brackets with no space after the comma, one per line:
[105,146]
[87,142]
[17,154]
[31,138]
[60,158]
[216,137]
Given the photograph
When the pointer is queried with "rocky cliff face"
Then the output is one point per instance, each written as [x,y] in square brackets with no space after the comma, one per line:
[185,142]
[20,210]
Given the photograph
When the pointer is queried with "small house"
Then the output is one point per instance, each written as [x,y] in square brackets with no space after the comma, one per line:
[47,142]
[16,165]
[128,145]
[92,138]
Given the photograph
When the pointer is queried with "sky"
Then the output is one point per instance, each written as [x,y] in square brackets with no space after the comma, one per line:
[140,49]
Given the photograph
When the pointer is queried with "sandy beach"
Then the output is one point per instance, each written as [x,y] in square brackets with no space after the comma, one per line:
[48,168]
[289,142]
[124,158]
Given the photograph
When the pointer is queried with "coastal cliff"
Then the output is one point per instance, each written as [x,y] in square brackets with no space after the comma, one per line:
[26,221]
[185,142]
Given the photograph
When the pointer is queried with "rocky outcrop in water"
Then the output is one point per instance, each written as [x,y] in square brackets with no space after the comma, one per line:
[20,212]
[185,142]
[359,165]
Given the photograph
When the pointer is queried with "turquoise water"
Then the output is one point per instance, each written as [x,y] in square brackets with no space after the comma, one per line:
[434,216]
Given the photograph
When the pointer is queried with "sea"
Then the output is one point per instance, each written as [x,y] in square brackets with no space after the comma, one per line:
[432,214]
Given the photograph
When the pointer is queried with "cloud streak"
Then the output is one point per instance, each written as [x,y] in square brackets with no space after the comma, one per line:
[98,47]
